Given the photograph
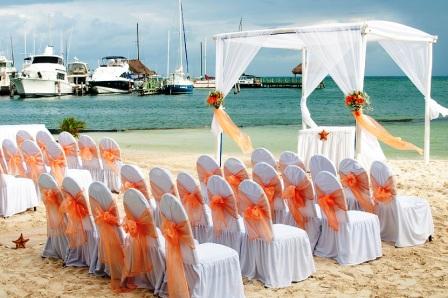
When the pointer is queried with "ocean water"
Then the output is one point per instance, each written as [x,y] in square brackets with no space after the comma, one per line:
[268,114]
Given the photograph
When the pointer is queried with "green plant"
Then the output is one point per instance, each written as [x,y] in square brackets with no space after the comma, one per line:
[72,125]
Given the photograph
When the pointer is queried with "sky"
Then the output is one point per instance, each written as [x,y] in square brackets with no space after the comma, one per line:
[96,28]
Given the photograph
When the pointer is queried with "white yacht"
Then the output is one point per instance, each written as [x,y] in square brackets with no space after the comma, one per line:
[113,76]
[7,71]
[45,75]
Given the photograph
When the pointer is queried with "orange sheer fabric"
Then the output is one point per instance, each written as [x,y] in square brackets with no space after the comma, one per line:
[35,165]
[223,207]
[235,179]
[111,156]
[296,197]
[359,186]
[176,235]
[384,193]
[272,189]
[158,192]
[329,204]
[88,152]
[192,202]
[70,149]
[204,174]
[373,127]
[75,208]
[138,229]
[140,185]
[242,140]
[257,217]
[20,139]
[55,218]
[58,166]
[43,149]
[15,164]
[110,245]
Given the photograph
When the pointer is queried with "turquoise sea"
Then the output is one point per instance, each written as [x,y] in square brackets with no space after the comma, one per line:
[395,101]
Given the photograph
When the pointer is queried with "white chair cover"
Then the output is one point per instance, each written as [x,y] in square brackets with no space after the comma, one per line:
[288,158]
[13,155]
[295,175]
[90,157]
[71,150]
[405,220]
[57,242]
[265,175]
[235,172]
[161,182]
[135,204]
[111,174]
[320,163]
[202,226]
[23,135]
[212,270]
[287,258]
[85,255]
[3,166]
[206,167]
[358,239]
[132,177]
[263,155]
[34,160]
[43,139]
[233,231]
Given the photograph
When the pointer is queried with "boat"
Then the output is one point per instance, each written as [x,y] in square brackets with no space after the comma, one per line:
[7,71]
[205,82]
[177,82]
[112,76]
[249,81]
[44,75]
[78,74]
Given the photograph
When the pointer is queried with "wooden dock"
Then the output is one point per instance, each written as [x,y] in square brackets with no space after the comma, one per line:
[283,82]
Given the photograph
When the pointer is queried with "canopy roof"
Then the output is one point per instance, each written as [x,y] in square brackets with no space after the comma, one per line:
[137,67]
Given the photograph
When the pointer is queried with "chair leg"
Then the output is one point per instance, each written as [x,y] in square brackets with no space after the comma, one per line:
[430,238]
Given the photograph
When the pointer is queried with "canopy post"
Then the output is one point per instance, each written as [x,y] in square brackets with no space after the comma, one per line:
[427,142]
[362,66]
[304,68]
[219,149]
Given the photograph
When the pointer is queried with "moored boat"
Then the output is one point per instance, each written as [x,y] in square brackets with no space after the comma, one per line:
[112,76]
[7,71]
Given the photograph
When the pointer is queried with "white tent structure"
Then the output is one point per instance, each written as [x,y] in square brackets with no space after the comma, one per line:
[338,50]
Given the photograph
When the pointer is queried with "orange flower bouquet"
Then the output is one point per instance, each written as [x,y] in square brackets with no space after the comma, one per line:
[357,100]
[215,98]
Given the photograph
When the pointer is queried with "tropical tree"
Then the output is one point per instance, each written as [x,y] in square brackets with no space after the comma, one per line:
[72,125]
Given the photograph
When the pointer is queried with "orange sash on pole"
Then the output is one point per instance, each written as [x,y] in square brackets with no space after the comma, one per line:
[176,234]
[138,229]
[384,193]
[222,208]
[15,164]
[359,186]
[296,196]
[55,219]
[35,164]
[257,217]
[192,202]
[69,149]
[58,166]
[329,203]
[111,156]
[242,140]
[204,175]
[76,210]
[88,153]
[139,185]
[373,127]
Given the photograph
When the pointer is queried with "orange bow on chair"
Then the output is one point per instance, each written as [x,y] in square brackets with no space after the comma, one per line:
[383,193]
[140,185]
[235,179]
[55,218]
[271,189]
[192,202]
[88,152]
[58,166]
[15,164]
[75,208]
[257,217]
[69,149]
[176,234]
[204,175]
[35,165]
[329,204]
[296,196]
[138,229]
[222,208]
[359,186]
[111,156]
[43,149]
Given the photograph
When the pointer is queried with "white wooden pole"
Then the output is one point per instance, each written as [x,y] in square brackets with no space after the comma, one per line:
[427,142]
[304,67]
[362,66]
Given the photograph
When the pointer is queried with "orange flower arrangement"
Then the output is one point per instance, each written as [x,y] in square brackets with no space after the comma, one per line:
[215,99]
[357,100]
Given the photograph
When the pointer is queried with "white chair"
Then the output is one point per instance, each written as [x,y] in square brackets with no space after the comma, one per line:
[404,220]
[34,160]
[71,150]
[355,181]
[210,270]
[161,182]
[206,167]
[277,255]
[21,136]
[81,231]
[90,157]
[3,166]
[263,155]
[228,226]
[266,176]
[349,236]
[13,158]
[132,177]
[57,242]
[299,195]
[235,172]
[43,138]
[111,158]
[198,212]
[16,194]
[289,158]
[144,245]
[320,163]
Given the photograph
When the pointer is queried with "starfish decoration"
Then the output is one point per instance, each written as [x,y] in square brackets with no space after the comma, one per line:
[20,243]
[323,135]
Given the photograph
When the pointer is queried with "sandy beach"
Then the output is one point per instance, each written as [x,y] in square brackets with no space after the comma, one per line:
[402,272]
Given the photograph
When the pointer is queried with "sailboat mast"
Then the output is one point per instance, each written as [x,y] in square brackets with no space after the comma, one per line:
[205,56]
[201,60]
[180,35]
[138,45]
[168,56]
[12,51]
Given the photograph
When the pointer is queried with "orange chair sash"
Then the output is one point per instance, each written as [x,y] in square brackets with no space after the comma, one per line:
[272,189]
[35,164]
[222,208]
[88,152]
[384,193]
[15,164]
[193,203]
[70,149]
[257,217]
[204,175]
[58,166]
[20,139]
[76,210]
[296,197]
[282,166]
[359,186]
[111,156]
[55,218]
[158,192]
[176,235]
[329,204]
[140,185]
[43,149]
[235,179]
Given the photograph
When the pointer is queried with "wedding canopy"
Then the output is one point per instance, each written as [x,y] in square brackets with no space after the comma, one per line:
[338,50]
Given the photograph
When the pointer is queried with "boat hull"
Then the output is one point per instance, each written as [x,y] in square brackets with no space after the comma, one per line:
[178,89]
[28,87]
[108,87]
